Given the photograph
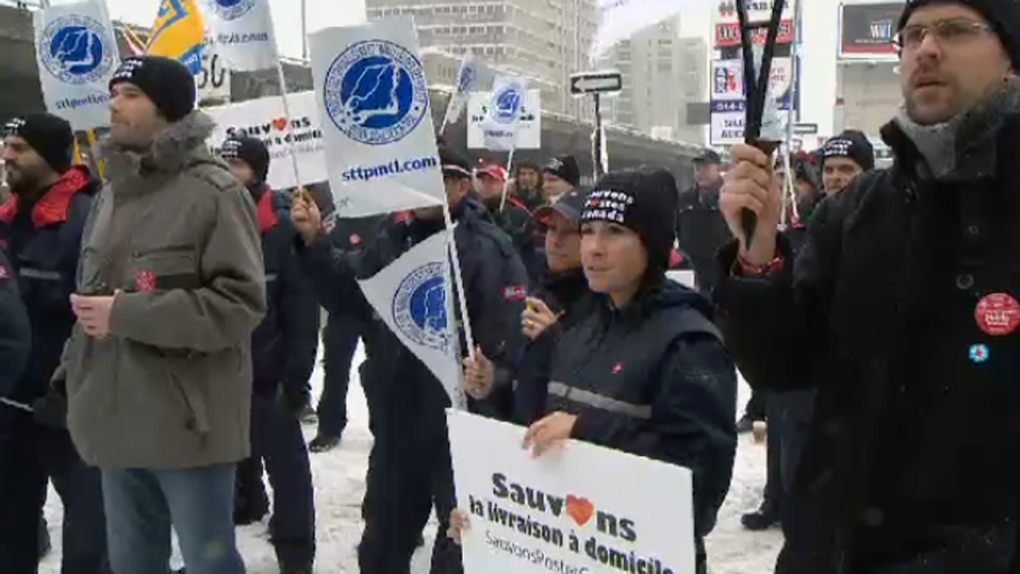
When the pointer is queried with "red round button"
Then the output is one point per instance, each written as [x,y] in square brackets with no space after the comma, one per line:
[997,314]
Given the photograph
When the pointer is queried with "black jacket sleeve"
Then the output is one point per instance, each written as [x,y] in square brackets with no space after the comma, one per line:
[334,272]
[772,323]
[531,383]
[496,285]
[692,422]
[300,320]
[15,330]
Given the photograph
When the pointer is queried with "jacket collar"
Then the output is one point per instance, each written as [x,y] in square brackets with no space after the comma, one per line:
[179,145]
[55,205]
[266,210]
[978,137]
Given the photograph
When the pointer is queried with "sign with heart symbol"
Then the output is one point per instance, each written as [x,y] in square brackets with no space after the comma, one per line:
[566,511]
[280,124]
[580,509]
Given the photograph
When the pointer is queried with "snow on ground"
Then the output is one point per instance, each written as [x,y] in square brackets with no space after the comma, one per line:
[339,481]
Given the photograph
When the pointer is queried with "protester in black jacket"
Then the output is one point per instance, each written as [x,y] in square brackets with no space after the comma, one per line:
[510,215]
[649,346]
[40,227]
[903,303]
[527,185]
[344,326]
[700,230]
[410,465]
[15,330]
[284,346]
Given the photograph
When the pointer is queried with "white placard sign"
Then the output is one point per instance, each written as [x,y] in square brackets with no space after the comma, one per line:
[727,122]
[568,511]
[265,119]
[373,100]
[242,31]
[76,51]
[529,125]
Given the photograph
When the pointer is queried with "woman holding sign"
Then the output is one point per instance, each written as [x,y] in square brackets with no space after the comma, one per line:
[646,371]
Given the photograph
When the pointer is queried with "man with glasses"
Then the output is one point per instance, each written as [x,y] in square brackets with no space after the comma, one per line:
[902,311]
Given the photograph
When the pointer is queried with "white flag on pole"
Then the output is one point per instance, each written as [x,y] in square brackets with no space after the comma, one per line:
[376,119]
[620,19]
[410,295]
[500,126]
[242,31]
[467,82]
[76,51]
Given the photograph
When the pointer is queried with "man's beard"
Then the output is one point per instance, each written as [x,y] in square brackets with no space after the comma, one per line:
[23,184]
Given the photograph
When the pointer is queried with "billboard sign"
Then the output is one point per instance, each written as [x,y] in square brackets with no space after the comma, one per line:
[728,80]
[728,35]
[866,31]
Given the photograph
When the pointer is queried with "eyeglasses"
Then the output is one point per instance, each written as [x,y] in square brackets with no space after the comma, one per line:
[946,32]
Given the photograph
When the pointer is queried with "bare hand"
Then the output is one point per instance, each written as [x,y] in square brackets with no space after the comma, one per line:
[93,313]
[307,217]
[552,431]
[479,375]
[751,183]
[458,526]
[536,318]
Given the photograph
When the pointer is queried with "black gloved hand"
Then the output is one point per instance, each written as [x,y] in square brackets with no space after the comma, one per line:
[295,400]
[50,410]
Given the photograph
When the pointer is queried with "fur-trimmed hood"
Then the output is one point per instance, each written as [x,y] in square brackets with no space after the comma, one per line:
[179,145]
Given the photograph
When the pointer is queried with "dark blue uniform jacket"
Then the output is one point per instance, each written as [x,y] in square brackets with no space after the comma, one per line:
[285,343]
[43,239]
[654,380]
[15,331]
[402,390]
[566,294]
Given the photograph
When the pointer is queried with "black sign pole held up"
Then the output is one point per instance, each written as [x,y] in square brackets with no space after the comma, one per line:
[756,85]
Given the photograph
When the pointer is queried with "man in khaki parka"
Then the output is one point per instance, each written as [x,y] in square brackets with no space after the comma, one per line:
[158,369]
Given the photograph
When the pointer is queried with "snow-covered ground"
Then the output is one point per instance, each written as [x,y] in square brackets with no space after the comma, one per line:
[339,481]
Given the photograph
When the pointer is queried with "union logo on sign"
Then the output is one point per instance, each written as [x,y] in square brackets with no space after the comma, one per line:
[375,92]
[419,306]
[506,103]
[72,50]
[230,9]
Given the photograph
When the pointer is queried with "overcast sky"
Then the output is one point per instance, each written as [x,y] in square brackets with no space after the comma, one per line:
[286,16]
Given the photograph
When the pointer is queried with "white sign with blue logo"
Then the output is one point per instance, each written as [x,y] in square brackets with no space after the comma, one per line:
[505,106]
[377,123]
[410,295]
[529,122]
[77,55]
[242,31]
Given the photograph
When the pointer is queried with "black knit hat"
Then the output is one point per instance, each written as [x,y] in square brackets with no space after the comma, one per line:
[50,136]
[852,145]
[564,167]
[644,200]
[165,81]
[1002,15]
[249,150]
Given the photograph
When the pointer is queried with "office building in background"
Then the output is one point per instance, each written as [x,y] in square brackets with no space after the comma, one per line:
[662,74]
[547,41]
